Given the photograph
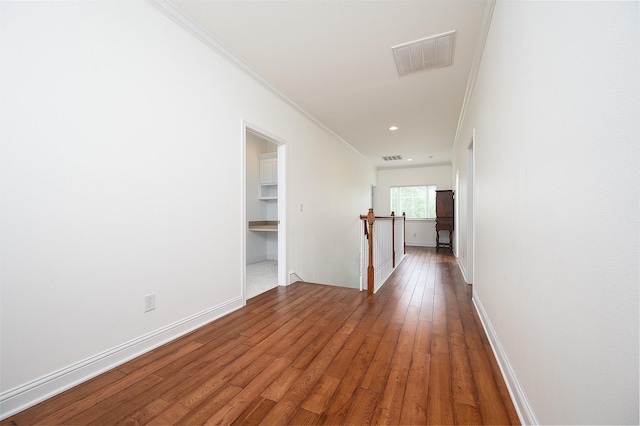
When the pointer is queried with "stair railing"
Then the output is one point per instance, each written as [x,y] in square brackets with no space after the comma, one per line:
[383,249]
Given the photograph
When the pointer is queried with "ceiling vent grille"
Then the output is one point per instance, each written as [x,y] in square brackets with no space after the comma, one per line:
[431,52]
[392,157]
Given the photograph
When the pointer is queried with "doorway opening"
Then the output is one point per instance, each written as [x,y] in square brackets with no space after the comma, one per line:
[264,248]
[456,218]
[373,197]
[470,216]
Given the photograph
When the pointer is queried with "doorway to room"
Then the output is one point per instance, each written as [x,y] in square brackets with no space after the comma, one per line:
[264,260]
[470,215]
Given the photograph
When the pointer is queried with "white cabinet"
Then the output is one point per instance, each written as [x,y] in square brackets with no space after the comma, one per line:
[268,168]
[268,176]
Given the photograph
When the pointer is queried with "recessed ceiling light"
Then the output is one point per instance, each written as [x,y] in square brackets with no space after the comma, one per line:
[409,159]
[392,128]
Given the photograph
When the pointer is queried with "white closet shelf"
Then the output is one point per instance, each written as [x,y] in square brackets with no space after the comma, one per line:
[263,225]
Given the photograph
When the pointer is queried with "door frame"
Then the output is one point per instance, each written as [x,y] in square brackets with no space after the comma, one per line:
[471,170]
[282,203]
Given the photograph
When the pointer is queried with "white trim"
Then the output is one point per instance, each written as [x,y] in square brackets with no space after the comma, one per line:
[471,200]
[282,215]
[462,270]
[415,166]
[475,66]
[243,212]
[177,16]
[456,213]
[38,390]
[282,203]
[524,410]
[363,263]
[375,290]
[432,245]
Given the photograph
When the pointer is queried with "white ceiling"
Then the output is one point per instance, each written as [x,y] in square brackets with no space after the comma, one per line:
[334,60]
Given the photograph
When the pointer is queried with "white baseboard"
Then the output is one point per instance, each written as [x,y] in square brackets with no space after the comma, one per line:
[375,290]
[257,259]
[463,270]
[38,390]
[421,244]
[525,413]
[293,277]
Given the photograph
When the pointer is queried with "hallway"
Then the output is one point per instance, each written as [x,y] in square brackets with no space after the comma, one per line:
[313,354]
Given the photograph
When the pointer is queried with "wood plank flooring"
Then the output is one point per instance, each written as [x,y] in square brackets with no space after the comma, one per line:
[415,353]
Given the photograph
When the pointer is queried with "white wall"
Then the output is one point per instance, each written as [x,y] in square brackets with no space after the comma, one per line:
[555,111]
[418,232]
[121,176]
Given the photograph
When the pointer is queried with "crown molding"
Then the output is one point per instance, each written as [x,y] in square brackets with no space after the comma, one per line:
[415,166]
[473,73]
[186,23]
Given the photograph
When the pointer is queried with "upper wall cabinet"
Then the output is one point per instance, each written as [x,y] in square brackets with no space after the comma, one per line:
[268,168]
[268,176]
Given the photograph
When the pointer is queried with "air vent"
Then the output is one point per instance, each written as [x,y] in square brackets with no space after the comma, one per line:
[392,157]
[431,52]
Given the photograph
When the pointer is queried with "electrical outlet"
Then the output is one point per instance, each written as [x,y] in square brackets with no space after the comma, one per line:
[149,302]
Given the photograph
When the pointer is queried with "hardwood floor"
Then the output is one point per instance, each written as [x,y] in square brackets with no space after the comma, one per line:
[414,353]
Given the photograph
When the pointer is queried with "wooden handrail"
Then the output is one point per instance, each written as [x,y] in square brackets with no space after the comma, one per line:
[364,216]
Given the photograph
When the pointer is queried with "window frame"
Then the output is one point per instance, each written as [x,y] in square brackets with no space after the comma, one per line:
[430,201]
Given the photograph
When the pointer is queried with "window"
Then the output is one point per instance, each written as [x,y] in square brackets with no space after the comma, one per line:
[418,202]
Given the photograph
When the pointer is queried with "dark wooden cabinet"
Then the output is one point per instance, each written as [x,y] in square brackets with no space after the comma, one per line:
[444,218]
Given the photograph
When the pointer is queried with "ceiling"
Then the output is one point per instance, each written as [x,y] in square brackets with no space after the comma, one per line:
[334,60]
